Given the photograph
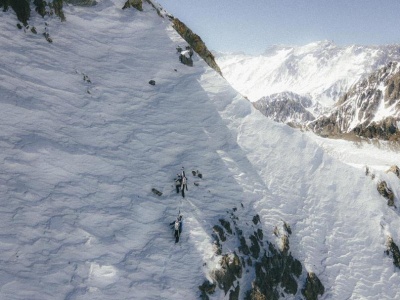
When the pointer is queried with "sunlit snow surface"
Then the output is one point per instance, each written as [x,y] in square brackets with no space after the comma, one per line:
[84,138]
[321,70]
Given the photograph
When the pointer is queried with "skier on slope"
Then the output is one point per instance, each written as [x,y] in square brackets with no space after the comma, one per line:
[176,234]
[177,226]
[183,172]
[184,186]
[178,182]
[180,224]
[190,51]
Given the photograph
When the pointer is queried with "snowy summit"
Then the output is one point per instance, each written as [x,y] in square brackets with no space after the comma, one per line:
[321,70]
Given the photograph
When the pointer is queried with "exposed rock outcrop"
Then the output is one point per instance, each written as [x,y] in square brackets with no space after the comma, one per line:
[387,129]
[226,225]
[282,232]
[395,170]
[196,43]
[231,270]
[273,272]
[218,230]
[287,107]
[21,8]
[207,288]
[57,6]
[138,4]
[185,57]
[23,12]
[393,250]
[40,7]
[81,2]
[371,108]
[313,287]
[386,192]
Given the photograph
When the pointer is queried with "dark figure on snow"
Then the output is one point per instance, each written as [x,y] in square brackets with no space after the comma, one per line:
[183,172]
[178,182]
[184,186]
[177,225]
[188,48]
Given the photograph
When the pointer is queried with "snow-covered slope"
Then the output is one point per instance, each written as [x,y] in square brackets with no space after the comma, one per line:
[322,70]
[84,139]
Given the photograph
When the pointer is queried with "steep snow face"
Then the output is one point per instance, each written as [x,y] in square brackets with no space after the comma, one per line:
[85,138]
[321,69]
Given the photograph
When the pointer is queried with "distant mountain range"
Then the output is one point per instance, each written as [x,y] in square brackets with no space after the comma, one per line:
[297,85]
[371,108]
[322,70]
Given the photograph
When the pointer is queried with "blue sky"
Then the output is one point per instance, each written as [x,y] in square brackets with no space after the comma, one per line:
[251,26]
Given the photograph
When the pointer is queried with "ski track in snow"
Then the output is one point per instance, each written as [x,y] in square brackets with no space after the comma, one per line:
[79,159]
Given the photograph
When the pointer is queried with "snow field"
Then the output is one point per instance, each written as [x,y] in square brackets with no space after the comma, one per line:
[79,158]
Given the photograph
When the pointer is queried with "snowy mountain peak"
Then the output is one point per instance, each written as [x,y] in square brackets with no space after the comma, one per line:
[315,48]
[323,73]
[321,70]
[371,108]
[298,50]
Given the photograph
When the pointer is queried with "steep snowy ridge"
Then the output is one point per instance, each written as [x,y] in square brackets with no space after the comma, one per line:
[85,138]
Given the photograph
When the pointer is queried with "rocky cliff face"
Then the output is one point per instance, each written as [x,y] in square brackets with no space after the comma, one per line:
[196,43]
[138,4]
[287,107]
[258,268]
[370,109]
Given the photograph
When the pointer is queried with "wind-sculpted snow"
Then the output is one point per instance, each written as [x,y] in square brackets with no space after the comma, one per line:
[85,137]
